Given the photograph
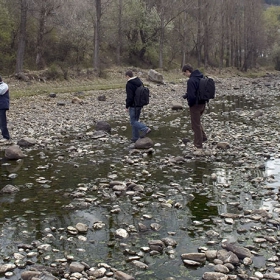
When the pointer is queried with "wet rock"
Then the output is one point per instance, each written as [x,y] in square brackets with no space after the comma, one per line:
[214,276]
[97,273]
[227,257]
[14,153]
[76,267]
[98,134]
[144,143]
[191,262]
[27,275]
[52,95]
[142,227]
[241,252]
[7,267]
[198,257]
[221,268]
[103,126]
[156,245]
[122,233]
[210,254]
[140,265]
[169,241]
[119,275]
[26,142]
[9,189]
[44,247]
[155,226]
[272,276]
[82,228]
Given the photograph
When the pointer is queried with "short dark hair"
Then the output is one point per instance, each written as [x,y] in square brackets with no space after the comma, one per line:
[187,67]
[129,73]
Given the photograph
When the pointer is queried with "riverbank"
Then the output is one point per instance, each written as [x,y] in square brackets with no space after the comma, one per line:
[88,206]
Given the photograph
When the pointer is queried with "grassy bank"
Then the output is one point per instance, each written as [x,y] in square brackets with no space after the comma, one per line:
[110,79]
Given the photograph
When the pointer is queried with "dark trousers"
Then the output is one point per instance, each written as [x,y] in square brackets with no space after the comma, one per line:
[3,124]
[196,112]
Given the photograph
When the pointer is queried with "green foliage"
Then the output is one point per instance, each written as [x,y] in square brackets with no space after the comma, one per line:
[140,28]
[272,25]
[53,73]
[7,57]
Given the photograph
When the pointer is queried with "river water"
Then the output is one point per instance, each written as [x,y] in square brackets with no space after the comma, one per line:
[48,180]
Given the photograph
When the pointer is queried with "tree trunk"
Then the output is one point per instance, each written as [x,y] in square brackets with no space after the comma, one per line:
[22,36]
[199,25]
[40,37]
[96,63]
[119,46]
[161,37]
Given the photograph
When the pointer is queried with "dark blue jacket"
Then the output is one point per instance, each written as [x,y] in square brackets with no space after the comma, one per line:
[192,87]
[4,98]
[131,86]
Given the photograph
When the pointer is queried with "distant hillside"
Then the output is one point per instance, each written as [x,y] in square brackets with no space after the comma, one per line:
[272,2]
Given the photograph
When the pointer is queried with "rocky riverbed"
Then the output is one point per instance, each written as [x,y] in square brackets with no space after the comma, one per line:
[238,241]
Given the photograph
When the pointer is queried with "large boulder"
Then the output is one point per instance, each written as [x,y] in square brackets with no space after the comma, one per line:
[154,76]
[144,143]
[14,152]
[104,126]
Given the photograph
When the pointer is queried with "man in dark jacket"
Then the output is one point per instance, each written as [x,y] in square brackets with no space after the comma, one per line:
[134,112]
[196,108]
[4,106]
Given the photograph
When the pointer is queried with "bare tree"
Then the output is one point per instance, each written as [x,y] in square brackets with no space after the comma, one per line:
[43,11]
[120,31]
[96,61]
[22,36]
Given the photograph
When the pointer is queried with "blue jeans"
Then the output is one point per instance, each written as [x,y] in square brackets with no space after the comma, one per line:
[3,124]
[137,127]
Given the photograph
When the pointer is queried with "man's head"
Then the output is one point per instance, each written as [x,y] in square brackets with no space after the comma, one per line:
[129,74]
[187,70]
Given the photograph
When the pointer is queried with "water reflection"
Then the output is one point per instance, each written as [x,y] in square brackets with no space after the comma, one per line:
[48,179]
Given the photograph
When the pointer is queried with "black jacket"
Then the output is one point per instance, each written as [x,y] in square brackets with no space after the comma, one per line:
[192,88]
[131,86]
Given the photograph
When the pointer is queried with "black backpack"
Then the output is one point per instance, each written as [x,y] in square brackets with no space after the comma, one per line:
[142,96]
[206,89]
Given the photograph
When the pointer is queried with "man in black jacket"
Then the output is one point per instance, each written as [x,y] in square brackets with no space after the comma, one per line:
[4,106]
[132,84]
[196,108]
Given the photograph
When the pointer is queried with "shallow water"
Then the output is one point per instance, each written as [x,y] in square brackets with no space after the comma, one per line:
[47,179]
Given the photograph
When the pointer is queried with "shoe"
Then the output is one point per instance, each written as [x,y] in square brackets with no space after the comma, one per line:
[148,130]
[133,140]
[204,140]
